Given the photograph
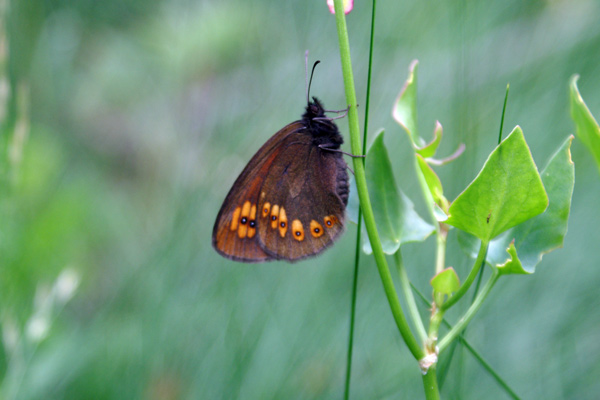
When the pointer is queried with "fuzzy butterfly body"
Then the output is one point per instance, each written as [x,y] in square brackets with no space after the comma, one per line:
[289,201]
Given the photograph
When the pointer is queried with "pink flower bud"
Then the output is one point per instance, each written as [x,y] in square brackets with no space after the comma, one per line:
[348,4]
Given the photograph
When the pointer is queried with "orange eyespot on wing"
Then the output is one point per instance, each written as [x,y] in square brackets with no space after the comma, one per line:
[233,236]
[252,221]
[283,222]
[316,229]
[235,218]
[265,209]
[330,221]
[274,216]
[297,230]
[243,228]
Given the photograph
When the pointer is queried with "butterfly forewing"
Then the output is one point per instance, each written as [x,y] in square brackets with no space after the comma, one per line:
[234,237]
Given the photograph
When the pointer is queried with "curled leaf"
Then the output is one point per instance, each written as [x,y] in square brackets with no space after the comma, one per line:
[587,130]
[405,107]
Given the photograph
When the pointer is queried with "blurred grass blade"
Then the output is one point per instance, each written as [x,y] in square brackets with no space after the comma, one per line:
[507,192]
[503,113]
[587,130]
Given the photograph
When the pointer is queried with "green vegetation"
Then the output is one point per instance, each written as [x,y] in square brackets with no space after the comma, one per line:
[124,123]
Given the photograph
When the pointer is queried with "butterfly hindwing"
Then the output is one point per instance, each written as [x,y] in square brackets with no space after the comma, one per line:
[304,212]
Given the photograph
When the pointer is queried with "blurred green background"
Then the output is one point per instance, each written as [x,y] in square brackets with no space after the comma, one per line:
[125,122]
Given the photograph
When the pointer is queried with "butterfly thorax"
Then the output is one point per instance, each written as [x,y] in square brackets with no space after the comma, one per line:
[320,127]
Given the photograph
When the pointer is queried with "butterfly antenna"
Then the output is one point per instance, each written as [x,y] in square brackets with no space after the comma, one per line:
[310,81]
[306,73]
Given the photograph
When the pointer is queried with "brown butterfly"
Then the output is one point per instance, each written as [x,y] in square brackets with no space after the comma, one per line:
[289,201]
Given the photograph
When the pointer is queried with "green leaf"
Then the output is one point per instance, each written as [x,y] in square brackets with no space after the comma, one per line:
[546,232]
[512,266]
[405,108]
[507,192]
[430,148]
[588,130]
[433,183]
[446,282]
[397,222]
[439,214]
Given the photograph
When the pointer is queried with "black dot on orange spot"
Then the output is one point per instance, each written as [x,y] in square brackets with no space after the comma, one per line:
[317,230]
[329,223]
[282,224]
[266,210]
[273,217]
[298,233]
[243,220]
[252,224]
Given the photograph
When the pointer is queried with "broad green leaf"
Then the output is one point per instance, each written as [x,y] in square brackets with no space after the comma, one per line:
[588,130]
[446,282]
[405,107]
[544,233]
[430,148]
[507,192]
[539,235]
[433,183]
[397,222]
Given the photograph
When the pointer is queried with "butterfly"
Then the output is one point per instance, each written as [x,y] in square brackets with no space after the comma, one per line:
[289,201]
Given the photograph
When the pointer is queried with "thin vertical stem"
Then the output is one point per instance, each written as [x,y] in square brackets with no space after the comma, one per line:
[359,228]
[361,185]
[413,310]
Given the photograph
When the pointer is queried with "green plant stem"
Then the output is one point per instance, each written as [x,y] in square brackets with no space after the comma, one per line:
[440,249]
[359,227]
[430,384]
[430,204]
[472,350]
[464,321]
[487,367]
[429,201]
[503,112]
[413,311]
[361,184]
[472,275]
[352,311]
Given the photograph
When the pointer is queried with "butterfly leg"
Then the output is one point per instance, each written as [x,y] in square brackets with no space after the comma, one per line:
[324,147]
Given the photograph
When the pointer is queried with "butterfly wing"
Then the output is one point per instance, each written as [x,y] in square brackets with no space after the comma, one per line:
[235,230]
[302,200]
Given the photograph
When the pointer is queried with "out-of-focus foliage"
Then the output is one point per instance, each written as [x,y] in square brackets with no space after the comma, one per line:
[124,123]
[586,127]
